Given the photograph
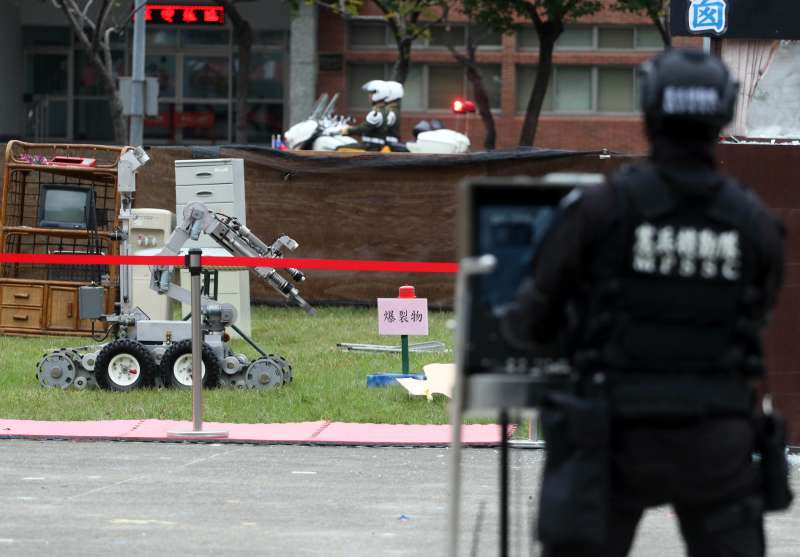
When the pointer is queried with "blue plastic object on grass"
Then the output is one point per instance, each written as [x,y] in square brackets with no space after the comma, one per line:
[388,379]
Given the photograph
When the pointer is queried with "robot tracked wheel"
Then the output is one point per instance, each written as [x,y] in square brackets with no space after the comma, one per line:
[124,365]
[176,366]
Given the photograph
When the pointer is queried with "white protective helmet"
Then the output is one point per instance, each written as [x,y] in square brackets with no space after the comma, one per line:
[395,91]
[378,89]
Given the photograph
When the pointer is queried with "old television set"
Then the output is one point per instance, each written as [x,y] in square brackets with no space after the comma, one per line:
[508,218]
[67,206]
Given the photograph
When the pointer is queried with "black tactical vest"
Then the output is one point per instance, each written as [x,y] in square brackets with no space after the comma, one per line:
[671,292]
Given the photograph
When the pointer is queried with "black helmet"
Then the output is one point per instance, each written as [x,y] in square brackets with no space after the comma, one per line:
[687,93]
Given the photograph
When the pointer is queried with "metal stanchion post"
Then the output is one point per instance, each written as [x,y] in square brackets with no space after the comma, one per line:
[195,268]
[468,266]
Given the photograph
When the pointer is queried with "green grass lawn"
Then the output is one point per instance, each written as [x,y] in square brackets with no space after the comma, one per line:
[329,384]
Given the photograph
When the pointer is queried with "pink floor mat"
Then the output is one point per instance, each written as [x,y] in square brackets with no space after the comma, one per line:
[322,432]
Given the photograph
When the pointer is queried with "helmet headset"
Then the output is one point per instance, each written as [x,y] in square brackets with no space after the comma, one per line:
[687,92]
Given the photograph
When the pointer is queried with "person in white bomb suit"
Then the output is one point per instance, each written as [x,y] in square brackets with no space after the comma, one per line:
[374,127]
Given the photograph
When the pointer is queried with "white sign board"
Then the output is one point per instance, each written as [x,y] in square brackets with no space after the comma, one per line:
[402,316]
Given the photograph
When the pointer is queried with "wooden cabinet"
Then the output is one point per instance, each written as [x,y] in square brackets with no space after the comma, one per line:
[22,295]
[36,298]
[21,318]
[43,309]
[62,308]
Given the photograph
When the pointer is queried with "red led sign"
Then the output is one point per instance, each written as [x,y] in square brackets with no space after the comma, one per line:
[176,14]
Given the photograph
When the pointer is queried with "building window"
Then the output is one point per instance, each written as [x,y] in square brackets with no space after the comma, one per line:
[265,95]
[368,34]
[205,37]
[196,69]
[582,89]
[453,35]
[575,38]
[588,37]
[163,67]
[615,38]
[162,36]
[88,81]
[427,87]
[47,74]
[199,86]
[649,38]
[445,83]
[205,77]
[491,75]
[376,34]
[414,92]
[266,75]
[45,35]
[486,37]
[573,89]
[91,113]
[48,63]
[358,75]
[615,90]
[92,120]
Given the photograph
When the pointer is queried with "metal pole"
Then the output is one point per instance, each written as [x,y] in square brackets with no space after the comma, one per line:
[136,137]
[197,341]
[503,483]
[469,266]
[193,263]
[404,352]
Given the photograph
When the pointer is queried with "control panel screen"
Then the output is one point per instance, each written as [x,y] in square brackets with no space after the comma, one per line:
[508,218]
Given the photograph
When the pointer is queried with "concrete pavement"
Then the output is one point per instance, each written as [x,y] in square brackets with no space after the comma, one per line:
[130,499]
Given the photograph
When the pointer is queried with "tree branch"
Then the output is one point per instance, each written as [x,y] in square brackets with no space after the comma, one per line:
[569,7]
[68,6]
[105,9]
[660,24]
[390,21]
[381,6]
[461,58]
[533,13]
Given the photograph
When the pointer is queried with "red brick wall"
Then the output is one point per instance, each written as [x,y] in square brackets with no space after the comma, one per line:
[770,171]
[616,133]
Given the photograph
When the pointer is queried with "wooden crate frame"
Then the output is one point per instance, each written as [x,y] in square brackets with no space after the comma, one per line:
[26,170]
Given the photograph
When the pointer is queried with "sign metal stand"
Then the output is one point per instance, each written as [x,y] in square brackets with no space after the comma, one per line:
[402,316]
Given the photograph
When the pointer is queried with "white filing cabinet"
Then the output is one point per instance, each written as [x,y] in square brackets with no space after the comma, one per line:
[219,184]
[150,230]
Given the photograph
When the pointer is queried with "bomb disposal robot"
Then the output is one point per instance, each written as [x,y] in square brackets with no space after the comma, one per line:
[148,352]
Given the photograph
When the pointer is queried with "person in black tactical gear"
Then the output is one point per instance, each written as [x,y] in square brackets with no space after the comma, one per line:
[373,129]
[657,286]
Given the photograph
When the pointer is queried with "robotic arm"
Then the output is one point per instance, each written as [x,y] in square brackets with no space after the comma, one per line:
[237,240]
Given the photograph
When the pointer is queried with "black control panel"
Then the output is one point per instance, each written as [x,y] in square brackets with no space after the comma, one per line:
[508,218]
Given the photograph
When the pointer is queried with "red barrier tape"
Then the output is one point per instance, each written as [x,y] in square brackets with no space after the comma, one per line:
[317,264]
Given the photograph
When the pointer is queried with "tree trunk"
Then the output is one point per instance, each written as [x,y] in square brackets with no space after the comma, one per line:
[403,62]
[484,109]
[547,41]
[663,27]
[119,120]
